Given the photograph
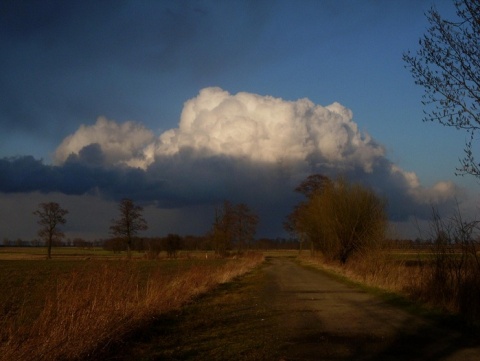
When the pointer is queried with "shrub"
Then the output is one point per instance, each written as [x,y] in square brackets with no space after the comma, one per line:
[340,219]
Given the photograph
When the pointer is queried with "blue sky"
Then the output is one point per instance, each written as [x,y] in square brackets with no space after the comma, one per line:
[65,64]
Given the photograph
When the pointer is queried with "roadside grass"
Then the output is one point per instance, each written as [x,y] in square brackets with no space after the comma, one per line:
[393,298]
[399,279]
[233,322]
[70,310]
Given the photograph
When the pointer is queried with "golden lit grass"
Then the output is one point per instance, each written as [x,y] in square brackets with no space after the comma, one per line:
[378,269]
[93,306]
[450,286]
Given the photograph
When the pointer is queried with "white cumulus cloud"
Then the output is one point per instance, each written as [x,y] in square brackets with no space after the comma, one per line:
[244,125]
[249,147]
[268,129]
[120,143]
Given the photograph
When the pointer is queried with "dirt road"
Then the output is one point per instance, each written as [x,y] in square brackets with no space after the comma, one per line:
[333,321]
[288,312]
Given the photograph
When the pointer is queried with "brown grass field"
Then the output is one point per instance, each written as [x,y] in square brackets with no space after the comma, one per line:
[79,303]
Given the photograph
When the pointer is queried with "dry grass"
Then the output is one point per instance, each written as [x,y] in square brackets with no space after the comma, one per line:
[98,305]
[441,281]
[377,269]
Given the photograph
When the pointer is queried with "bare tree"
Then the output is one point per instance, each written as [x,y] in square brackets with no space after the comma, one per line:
[245,226]
[313,183]
[51,216]
[234,225]
[172,243]
[129,224]
[222,230]
[447,65]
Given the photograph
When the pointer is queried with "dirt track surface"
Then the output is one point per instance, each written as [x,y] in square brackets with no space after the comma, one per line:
[333,321]
[288,312]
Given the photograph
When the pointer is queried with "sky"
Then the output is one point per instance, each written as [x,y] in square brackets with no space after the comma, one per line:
[180,105]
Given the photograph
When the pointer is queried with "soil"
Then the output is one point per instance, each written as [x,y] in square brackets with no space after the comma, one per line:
[284,311]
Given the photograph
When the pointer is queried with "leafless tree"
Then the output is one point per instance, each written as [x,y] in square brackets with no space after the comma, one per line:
[129,224]
[172,243]
[447,65]
[245,226]
[234,226]
[51,215]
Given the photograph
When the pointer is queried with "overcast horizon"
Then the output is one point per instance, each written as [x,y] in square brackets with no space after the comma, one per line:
[180,105]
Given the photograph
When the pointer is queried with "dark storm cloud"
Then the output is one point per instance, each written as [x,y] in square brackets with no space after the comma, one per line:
[74,177]
[192,179]
[403,201]
[185,180]
[66,61]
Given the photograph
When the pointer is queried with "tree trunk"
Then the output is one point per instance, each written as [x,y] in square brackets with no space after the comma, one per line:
[49,247]
[129,249]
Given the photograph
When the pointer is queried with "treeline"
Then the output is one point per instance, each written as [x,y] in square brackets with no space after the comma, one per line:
[75,242]
[142,244]
[173,243]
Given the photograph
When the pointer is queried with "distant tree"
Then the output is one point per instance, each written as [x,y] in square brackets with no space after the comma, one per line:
[192,242]
[222,230]
[115,244]
[234,226]
[81,243]
[129,224]
[447,65]
[51,215]
[244,226]
[153,247]
[172,243]
[312,184]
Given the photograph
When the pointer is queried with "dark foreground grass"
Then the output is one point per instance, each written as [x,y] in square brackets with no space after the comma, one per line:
[234,322]
[72,311]
[25,284]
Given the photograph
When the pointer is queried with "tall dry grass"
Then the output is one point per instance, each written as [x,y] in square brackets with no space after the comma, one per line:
[99,305]
[452,279]
[449,281]
[445,276]
[376,269]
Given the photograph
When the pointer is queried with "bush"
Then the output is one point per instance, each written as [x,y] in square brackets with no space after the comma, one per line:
[340,219]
